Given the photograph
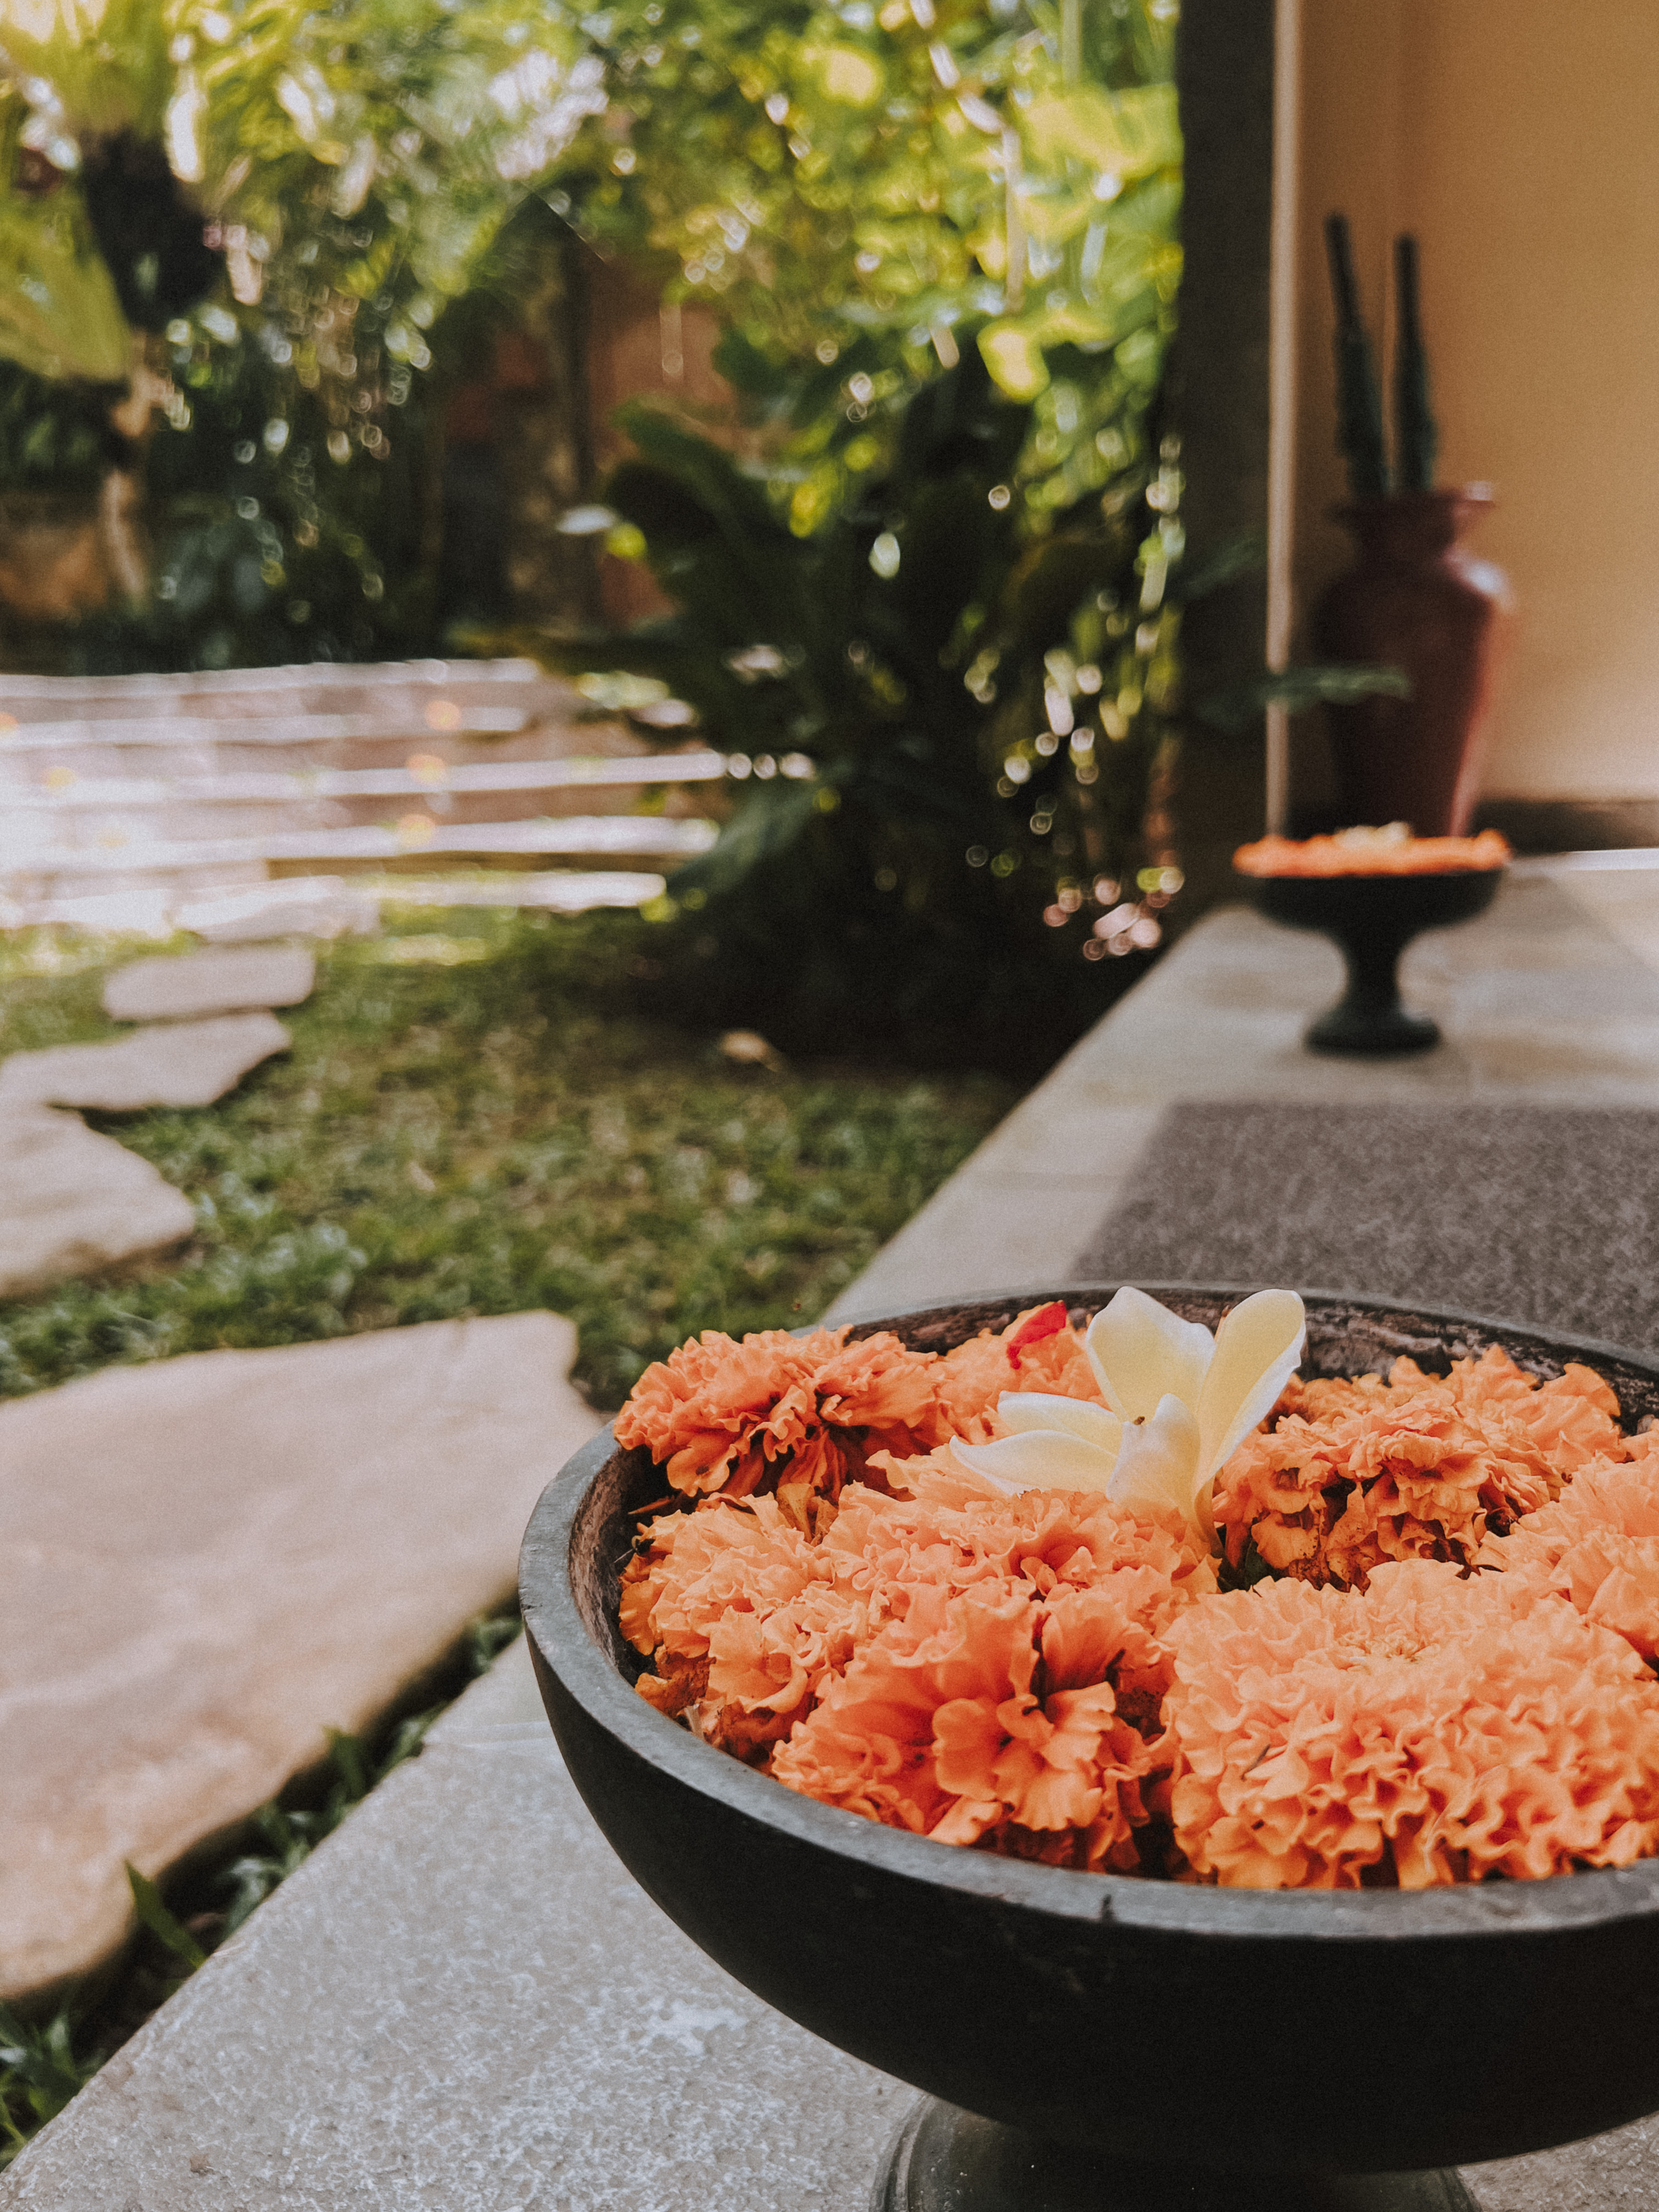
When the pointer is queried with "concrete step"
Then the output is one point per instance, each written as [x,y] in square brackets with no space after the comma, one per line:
[147,734]
[107,820]
[432,777]
[66,870]
[403,687]
[25,831]
[159,906]
[203,748]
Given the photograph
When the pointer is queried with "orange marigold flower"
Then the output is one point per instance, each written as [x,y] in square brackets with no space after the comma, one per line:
[1431,1729]
[1355,1473]
[1598,1547]
[1358,853]
[740,1417]
[992,1720]
[974,1375]
[736,1590]
[800,1416]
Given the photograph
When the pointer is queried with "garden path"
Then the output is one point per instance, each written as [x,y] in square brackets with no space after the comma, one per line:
[463,1999]
[73,1200]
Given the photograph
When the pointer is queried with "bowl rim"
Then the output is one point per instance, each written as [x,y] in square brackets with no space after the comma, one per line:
[1458,1912]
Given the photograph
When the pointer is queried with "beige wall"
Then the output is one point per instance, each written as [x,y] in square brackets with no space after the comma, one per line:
[1520,140]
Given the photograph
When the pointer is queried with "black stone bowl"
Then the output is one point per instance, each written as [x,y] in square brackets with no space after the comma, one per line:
[1373,919]
[1101,2041]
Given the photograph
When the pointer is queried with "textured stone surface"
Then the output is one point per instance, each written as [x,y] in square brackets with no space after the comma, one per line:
[1618,2173]
[1541,1003]
[304,906]
[1535,1214]
[464,2001]
[72,1201]
[210,1560]
[228,982]
[176,1064]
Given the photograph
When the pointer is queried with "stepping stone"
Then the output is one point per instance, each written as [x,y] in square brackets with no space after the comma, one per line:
[304,906]
[218,982]
[211,1560]
[178,1064]
[72,1202]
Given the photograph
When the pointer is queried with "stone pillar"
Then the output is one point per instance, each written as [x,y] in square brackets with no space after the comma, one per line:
[1226,78]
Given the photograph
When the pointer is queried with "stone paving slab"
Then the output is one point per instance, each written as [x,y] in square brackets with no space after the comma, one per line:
[464,2001]
[73,1202]
[210,1560]
[176,1064]
[220,981]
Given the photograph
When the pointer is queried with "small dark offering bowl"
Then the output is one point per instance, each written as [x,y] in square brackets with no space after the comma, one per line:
[1373,919]
[1101,2043]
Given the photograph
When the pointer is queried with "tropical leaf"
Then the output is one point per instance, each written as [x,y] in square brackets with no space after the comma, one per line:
[767,825]
[1297,689]
[59,315]
[1127,134]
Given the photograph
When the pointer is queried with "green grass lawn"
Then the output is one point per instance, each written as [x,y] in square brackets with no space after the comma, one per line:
[481,1121]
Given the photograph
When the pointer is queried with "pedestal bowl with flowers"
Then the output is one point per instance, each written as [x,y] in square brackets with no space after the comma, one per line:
[1208,1744]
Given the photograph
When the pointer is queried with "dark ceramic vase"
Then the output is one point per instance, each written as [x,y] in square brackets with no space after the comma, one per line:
[1373,919]
[1415,599]
[1096,2043]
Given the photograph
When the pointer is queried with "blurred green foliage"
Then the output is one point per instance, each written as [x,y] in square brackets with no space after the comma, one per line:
[944,726]
[942,238]
[835,182]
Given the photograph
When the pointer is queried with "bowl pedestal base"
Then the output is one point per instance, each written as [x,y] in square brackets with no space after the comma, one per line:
[1368,1020]
[1373,919]
[946,2161]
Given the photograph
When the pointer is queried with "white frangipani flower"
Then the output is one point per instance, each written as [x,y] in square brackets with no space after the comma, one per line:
[1179,1402]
